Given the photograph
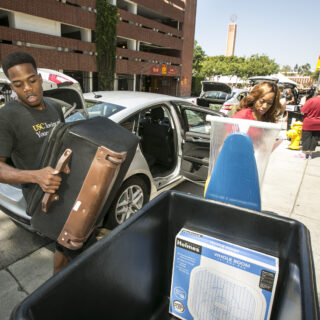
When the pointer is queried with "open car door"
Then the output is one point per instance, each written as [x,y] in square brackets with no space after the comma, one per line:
[196,142]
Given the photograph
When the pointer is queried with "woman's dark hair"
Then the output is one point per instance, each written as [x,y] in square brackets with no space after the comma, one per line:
[259,90]
[16,58]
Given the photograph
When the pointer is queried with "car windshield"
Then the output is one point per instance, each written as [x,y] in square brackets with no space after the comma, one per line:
[216,95]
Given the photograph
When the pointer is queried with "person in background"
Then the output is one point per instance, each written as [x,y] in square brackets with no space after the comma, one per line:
[261,104]
[311,124]
[289,97]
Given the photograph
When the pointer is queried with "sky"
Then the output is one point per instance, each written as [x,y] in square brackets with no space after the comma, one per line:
[287,31]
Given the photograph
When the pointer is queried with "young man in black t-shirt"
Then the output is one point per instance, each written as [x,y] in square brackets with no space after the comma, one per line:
[24,124]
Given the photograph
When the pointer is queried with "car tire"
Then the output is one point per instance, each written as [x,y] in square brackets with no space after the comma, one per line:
[132,196]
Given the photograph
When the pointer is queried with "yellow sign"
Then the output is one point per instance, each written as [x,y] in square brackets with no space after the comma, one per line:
[318,64]
[164,69]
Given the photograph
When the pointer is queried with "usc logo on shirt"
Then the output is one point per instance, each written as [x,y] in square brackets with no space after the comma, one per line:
[38,127]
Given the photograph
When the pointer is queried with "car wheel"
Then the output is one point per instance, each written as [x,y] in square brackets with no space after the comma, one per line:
[131,197]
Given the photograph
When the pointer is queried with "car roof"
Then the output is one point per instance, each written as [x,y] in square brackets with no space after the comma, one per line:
[130,99]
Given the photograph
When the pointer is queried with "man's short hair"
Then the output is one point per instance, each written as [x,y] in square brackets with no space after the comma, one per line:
[16,58]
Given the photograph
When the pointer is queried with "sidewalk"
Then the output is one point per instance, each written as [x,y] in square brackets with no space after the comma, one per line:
[291,188]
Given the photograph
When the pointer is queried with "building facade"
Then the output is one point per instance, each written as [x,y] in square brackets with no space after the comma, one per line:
[154,40]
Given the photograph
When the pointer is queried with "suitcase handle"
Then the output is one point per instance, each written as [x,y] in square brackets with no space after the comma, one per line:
[62,166]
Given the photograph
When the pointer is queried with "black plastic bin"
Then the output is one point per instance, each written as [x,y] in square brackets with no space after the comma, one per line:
[127,274]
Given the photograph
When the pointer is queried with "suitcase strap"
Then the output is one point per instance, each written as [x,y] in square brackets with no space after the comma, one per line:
[91,198]
[62,166]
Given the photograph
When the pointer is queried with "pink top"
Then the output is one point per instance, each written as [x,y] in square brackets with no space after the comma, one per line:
[244,114]
[311,111]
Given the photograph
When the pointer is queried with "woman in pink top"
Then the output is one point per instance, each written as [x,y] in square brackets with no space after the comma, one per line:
[311,125]
[261,104]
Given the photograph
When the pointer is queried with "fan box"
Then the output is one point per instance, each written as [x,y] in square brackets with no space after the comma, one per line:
[215,279]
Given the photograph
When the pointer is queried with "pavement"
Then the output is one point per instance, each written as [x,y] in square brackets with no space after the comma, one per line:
[291,188]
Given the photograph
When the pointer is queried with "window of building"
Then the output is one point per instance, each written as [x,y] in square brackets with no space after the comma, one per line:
[124,5]
[4,18]
[122,43]
[70,32]
[155,16]
[147,47]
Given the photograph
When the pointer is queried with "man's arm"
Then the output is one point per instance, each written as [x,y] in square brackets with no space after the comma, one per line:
[47,178]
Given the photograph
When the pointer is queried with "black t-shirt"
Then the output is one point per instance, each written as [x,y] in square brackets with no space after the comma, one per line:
[289,97]
[23,130]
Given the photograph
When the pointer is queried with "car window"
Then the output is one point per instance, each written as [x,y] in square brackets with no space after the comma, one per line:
[104,109]
[223,95]
[196,121]
[241,96]
[131,123]
[213,95]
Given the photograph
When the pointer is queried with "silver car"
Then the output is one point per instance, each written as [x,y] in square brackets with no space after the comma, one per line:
[237,95]
[174,146]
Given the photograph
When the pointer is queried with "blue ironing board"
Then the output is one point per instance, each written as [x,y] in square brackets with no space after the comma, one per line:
[235,178]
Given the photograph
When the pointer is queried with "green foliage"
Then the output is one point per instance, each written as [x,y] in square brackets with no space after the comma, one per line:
[106,39]
[255,65]
[285,69]
[196,85]
[198,57]
[261,66]
[305,69]
[315,75]
[242,67]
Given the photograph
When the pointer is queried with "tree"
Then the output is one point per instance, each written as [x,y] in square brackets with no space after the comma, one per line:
[260,66]
[315,75]
[106,40]
[305,69]
[198,57]
[242,67]
[285,69]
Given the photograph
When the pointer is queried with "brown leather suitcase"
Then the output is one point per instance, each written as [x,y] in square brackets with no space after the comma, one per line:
[93,157]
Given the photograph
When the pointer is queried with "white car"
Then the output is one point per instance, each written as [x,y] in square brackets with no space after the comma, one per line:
[174,146]
[236,96]
[191,99]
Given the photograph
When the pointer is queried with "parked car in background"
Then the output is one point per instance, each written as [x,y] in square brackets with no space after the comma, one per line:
[214,94]
[52,79]
[283,84]
[174,146]
[191,99]
[230,105]
[294,88]
[257,79]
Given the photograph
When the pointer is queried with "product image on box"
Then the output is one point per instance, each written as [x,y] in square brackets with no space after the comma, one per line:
[214,279]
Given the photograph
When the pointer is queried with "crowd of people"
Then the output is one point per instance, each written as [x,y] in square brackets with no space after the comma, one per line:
[265,102]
